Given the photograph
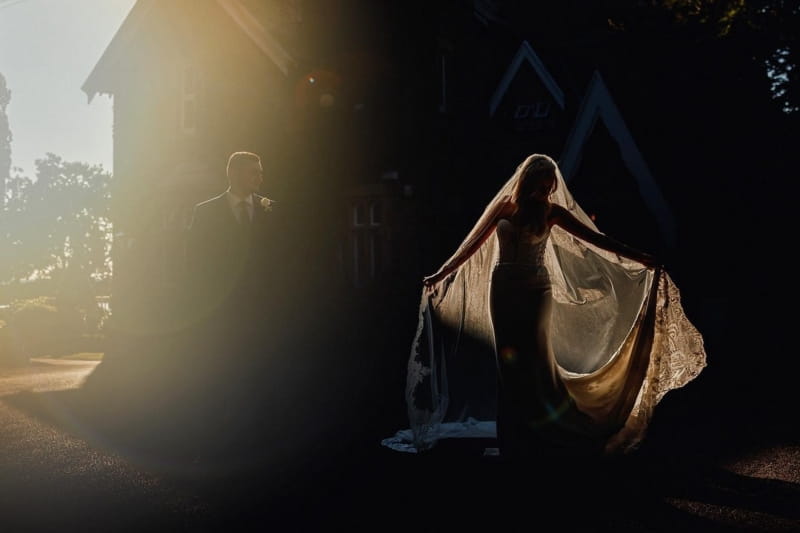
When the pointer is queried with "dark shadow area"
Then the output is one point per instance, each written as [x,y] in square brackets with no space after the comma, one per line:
[716,486]
[253,440]
[301,445]
[326,467]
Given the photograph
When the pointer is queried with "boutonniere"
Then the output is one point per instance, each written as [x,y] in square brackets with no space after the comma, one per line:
[267,204]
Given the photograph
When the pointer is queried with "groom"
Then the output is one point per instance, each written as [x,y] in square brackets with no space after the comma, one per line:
[228,247]
[233,259]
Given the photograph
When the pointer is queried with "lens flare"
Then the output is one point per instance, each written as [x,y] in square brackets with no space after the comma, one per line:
[508,354]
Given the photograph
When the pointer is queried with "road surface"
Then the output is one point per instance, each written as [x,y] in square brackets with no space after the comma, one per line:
[57,474]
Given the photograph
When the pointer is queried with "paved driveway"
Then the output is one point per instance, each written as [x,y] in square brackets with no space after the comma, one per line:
[58,473]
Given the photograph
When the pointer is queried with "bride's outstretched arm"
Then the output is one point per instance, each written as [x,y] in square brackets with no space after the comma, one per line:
[561,217]
[479,234]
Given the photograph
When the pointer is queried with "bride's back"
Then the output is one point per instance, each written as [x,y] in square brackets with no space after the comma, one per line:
[521,244]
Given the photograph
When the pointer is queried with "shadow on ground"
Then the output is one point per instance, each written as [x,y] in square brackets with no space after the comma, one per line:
[300,444]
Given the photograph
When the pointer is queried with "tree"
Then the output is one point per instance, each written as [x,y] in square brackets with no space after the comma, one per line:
[60,225]
[5,139]
[6,247]
[12,261]
[770,27]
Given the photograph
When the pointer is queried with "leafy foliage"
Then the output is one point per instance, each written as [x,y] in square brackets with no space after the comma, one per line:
[5,136]
[47,326]
[58,224]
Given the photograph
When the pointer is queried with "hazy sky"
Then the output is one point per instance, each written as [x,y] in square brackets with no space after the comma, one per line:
[47,50]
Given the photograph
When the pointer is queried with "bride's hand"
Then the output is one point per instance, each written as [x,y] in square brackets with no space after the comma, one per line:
[429,290]
[429,282]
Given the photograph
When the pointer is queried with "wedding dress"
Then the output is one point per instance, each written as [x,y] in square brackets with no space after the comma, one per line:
[598,341]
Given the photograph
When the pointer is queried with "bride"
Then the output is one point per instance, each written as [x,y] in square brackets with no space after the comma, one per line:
[584,333]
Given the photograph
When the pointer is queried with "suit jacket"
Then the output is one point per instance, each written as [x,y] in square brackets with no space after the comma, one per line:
[231,270]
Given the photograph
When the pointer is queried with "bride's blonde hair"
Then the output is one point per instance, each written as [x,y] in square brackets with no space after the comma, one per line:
[531,172]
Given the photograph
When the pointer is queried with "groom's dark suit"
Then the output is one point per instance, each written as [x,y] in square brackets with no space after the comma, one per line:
[231,265]
[232,272]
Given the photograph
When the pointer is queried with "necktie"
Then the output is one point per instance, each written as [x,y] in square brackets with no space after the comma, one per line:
[244,215]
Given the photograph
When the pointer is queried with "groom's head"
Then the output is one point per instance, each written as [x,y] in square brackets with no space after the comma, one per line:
[245,173]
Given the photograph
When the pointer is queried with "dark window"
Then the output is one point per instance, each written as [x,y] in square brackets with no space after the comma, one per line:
[532,117]
[542,110]
[375,214]
[359,215]
[366,241]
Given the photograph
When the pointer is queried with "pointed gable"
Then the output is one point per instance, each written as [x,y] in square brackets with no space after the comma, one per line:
[525,56]
[598,104]
[101,79]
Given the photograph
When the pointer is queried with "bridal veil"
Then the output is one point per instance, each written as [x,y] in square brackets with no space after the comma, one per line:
[619,332]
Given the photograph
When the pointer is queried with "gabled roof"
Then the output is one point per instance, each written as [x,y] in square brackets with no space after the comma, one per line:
[253,28]
[525,53]
[100,79]
[597,103]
